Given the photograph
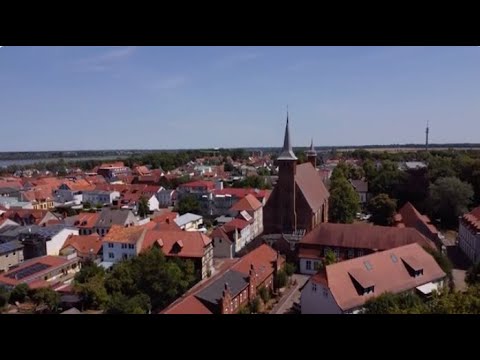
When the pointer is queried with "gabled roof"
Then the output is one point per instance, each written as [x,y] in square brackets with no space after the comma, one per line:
[190,244]
[84,243]
[263,260]
[83,220]
[236,224]
[364,236]
[360,185]
[236,282]
[220,233]
[125,235]
[385,271]
[199,183]
[410,217]
[10,246]
[113,217]
[249,203]
[311,185]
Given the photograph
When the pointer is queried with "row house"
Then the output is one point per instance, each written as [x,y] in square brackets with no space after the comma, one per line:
[45,271]
[30,217]
[254,209]
[113,170]
[231,238]
[123,243]
[103,197]
[11,254]
[110,217]
[71,191]
[469,235]
[40,198]
[228,291]
[84,222]
[224,198]
[345,287]
[84,246]
[348,241]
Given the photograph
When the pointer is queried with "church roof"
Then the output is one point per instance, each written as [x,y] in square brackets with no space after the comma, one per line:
[311,185]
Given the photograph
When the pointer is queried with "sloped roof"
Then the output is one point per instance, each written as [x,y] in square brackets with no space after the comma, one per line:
[385,271]
[360,185]
[84,243]
[410,217]
[249,203]
[473,218]
[364,236]
[192,243]
[311,185]
[126,235]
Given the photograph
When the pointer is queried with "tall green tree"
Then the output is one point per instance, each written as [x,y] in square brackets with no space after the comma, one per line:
[188,204]
[450,198]
[383,209]
[19,293]
[344,201]
[143,209]
[48,297]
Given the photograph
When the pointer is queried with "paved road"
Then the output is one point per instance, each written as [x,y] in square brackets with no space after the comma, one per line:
[291,296]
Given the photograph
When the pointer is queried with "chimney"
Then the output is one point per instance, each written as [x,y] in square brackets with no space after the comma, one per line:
[167,221]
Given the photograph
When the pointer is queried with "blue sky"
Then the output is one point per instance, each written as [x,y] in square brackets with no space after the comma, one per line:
[80,98]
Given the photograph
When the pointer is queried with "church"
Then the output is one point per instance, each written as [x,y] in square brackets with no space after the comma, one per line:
[299,201]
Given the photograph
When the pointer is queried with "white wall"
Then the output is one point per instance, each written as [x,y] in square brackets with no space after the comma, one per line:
[313,266]
[54,245]
[117,251]
[153,203]
[317,299]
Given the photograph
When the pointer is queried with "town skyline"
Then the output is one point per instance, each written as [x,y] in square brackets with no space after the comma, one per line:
[197,97]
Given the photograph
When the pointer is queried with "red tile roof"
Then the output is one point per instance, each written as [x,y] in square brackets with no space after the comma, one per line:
[364,236]
[210,185]
[117,164]
[263,259]
[248,203]
[52,261]
[385,271]
[164,216]
[236,224]
[85,220]
[191,243]
[84,244]
[311,185]
[241,192]
[38,215]
[473,218]
[220,233]
[125,235]
[410,217]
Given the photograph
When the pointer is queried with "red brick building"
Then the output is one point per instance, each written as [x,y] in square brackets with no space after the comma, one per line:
[299,201]
[233,287]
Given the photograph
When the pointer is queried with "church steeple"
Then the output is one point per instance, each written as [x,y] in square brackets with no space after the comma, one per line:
[287,151]
[312,155]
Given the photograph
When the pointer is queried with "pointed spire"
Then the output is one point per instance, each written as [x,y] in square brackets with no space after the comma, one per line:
[287,151]
[311,151]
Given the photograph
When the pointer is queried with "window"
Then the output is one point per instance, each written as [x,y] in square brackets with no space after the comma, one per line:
[6,255]
[326,250]
[125,256]
[124,246]
[325,292]
[351,253]
[110,245]
[131,246]
[309,265]
[314,287]
[337,253]
[360,252]
[111,255]
[14,253]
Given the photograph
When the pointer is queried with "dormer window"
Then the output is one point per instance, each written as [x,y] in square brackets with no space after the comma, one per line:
[368,290]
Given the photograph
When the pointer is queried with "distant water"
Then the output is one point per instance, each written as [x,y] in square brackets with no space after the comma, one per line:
[5,163]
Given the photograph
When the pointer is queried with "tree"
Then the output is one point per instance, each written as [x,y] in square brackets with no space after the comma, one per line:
[87,205]
[281,279]
[228,167]
[382,209]
[450,198]
[473,274]
[290,269]
[48,297]
[330,258]
[151,274]
[4,296]
[19,293]
[389,303]
[188,204]
[143,208]
[93,293]
[369,170]
[344,202]
[255,305]
[122,304]
[89,270]
[264,294]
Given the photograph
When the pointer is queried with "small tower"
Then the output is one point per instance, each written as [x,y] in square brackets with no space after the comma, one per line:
[287,168]
[426,137]
[312,155]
